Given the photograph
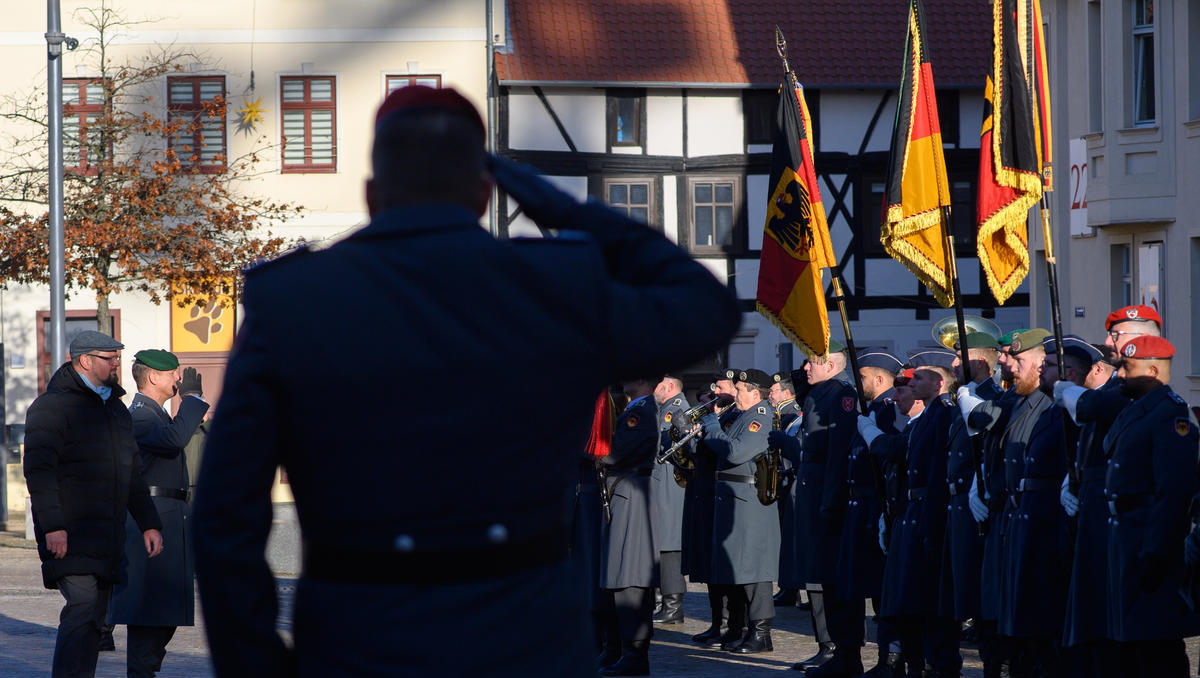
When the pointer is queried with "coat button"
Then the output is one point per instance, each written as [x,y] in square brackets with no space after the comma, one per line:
[497,534]
[404,543]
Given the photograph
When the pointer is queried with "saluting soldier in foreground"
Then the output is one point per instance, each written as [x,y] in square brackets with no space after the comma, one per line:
[1152,448]
[421,531]
[159,593]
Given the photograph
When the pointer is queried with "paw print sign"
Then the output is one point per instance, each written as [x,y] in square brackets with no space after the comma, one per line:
[204,326]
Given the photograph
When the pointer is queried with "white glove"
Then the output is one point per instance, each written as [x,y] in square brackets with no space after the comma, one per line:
[882,533]
[968,401]
[1070,502]
[1067,395]
[867,428]
[979,508]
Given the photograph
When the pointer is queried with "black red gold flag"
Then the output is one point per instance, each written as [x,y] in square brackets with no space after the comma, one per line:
[796,246]
[914,229]
[1015,148]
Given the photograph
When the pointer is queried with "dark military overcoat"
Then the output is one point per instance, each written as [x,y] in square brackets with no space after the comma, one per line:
[789,548]
[627,553]
[745,532]
[962,552]
[1152,448]
[830,423]
[160,591]
[860,560]
[666,495]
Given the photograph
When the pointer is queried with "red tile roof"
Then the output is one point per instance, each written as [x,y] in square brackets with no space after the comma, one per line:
[832,43]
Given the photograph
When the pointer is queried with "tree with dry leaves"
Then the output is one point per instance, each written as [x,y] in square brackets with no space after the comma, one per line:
[148,205]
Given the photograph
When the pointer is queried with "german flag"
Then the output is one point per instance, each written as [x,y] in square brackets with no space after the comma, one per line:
[1015,148]
[914,227]
[796,245]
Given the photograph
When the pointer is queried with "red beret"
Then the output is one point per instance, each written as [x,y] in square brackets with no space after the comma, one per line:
[1147,347]
[1132,313]
[418,97]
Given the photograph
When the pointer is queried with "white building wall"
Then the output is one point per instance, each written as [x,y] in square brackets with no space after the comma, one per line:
[664,123]
[714,123]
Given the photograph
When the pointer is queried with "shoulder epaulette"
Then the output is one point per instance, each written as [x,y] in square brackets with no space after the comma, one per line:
[1175,396]
[762,410]
[678,402]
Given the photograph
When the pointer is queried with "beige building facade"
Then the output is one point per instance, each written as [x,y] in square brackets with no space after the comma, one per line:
[1126,209]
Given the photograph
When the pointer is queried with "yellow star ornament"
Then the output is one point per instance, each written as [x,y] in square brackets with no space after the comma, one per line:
[251,113]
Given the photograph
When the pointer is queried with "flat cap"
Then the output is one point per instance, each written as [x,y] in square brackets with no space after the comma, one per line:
[1006,339]
[91,340]
[421,98]
[157,359]
[1145,313]
[980,340]
[756,377]
[877,356]
[1147,347]
[931,357]
[1029,339]
[1075,346]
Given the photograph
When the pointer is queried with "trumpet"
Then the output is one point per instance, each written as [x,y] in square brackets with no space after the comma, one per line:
[693,416]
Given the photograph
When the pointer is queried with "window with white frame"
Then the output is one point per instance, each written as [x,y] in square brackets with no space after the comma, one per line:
[83,104]
[395,82]
[633,197]
[196,112]
[1143,62]
[308,107]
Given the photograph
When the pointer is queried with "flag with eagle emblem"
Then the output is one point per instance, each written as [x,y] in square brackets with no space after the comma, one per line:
[796,246]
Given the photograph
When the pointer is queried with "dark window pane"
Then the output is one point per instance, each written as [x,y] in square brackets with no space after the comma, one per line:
[704,193]
[704,225]
[617,194]
[724,230]
[626,120]
[642,214]
[639,194]
[724,193]
[1145,78]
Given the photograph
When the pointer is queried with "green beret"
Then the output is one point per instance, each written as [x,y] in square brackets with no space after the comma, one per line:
[157,359]
[835,346]
[1007,339]
[978,340]
[1029,339]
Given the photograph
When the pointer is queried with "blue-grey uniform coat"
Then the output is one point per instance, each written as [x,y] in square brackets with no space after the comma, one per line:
[1152,448]
[666,495]
[962,553]
[698,504]
[830,423]
[1037,554]
[745,532]
[789,547]
[627,553]
[1087,599]
[160,591]
[616,301]
[860,560]
[911,575]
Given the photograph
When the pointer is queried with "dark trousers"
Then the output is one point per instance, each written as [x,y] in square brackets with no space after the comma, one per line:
[845,620]
[630,609]
[760,604]
[993,651]
[820,621]
[1157,658]
[670,577]
[147,647]
[929,640]
[885,634]
[1097,659]
[77,646]
[1034,657]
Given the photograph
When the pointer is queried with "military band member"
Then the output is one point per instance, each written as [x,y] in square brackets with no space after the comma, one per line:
[912,571]
[745,532]
[860,559]
[963,550]
[1152,449]
[1037,554]
[830,410]
[666,502]
[628,563]
[698,527]
[783,399]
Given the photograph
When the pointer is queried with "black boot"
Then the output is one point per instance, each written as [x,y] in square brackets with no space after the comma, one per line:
[737,626]
[672,610]
[824,653]
[758,638]
[840,665]
[634,660]
[717,627]
[786,597]
[106,639]
[890,665]
[610,640]
[803,604]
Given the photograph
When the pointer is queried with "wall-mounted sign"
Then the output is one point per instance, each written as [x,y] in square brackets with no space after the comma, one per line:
[205,325]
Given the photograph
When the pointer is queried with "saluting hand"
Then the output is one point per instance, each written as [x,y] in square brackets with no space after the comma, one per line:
[56,543]
[153,541]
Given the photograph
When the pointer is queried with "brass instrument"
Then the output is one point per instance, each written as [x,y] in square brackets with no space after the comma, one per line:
[693,417]
[767,468]
[945,332]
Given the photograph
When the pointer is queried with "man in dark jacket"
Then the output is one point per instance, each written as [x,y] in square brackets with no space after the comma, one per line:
[407,526]
[158,595]
[83,473]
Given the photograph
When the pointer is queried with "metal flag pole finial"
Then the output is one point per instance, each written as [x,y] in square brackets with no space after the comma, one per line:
[781,48]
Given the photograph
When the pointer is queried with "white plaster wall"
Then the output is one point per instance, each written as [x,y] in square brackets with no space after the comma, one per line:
[845,116]
[714,124]
[664,123]
[970,119]
[757,192]
[523,226]
[670,203]
[581,111]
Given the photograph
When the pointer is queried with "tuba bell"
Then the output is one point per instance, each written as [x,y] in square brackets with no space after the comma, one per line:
[945,332]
